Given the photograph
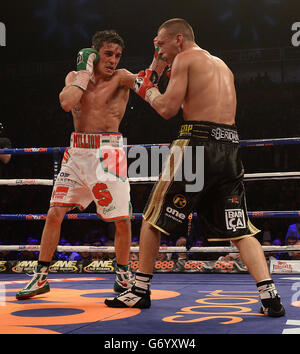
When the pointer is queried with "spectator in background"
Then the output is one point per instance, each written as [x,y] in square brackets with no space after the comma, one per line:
[75,256]
[181,242]
[134,256]
[267,236]
[98,256]
[162,256]
[292,255]
[292,234]
[181,257]
[276,242]
[110,256]
[268,254]
[196,255]
[85,256]
[5,143]
[296,254]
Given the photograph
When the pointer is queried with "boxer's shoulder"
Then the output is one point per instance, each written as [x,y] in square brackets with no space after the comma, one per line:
[125,77]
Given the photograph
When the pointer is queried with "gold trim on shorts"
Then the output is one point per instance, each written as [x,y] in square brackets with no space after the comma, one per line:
[157,227]
[252,228]
[156,201]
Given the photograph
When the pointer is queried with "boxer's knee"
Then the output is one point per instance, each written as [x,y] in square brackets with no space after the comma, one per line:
[123,227]
[56,215]
[149,229]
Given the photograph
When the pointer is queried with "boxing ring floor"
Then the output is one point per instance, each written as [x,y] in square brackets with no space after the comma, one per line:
[182,304]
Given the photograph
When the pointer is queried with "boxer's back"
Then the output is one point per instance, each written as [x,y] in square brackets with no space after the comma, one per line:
[211,93]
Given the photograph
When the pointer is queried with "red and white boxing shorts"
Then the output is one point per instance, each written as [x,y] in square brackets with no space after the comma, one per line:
[94,168]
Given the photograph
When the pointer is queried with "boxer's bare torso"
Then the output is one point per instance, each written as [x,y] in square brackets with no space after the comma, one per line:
[201,84]
[102,105]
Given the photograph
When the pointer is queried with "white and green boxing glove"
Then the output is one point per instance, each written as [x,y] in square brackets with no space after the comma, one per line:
[86,59]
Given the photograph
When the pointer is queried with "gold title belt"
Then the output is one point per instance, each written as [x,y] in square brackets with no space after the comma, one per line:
[96,140]
[207,131]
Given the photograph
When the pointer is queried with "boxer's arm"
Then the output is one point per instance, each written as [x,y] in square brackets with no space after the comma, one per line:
[169,103]
[70,94]
[127,78]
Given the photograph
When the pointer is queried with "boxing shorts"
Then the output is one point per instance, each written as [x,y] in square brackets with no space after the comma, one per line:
[94,168]
[219,201]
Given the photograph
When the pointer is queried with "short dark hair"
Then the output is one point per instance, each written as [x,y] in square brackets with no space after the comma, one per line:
[109,36]
[179,25]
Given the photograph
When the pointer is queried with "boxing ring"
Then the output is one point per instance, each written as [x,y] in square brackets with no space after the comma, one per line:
[183,303]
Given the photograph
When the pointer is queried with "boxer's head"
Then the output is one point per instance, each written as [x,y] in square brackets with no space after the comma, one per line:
[110,47]
[170,37]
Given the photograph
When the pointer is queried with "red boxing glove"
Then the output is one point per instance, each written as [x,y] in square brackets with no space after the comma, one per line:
[168,73]
[144,81]
[158,64]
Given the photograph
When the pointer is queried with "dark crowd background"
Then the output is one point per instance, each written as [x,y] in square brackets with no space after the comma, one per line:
[42,40]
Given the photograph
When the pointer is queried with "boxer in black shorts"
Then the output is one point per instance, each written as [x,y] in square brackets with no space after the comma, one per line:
[220,204]
[203,86]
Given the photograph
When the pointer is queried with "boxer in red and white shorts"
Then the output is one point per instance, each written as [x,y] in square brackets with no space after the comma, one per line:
[94,168]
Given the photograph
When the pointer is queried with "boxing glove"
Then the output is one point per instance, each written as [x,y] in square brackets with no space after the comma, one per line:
[158,64]
[86,59]
[144,81]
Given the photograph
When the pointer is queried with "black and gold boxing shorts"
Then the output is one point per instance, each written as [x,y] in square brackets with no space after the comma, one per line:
[209,153]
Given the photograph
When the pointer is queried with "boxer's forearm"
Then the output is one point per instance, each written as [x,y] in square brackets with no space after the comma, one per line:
[161,104]
[127,78]
[70,97]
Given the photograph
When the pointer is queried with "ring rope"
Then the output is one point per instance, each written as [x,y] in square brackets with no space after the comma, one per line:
[111,249]
[138,216]
[243,143]
[152,179]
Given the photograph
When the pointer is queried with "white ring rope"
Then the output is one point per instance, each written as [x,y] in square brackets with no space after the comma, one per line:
[110,249]
[247,177]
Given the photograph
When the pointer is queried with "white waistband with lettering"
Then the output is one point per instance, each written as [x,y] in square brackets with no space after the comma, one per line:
[96,140]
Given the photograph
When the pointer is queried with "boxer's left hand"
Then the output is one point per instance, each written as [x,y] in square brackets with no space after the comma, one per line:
[145,80]
[158,63]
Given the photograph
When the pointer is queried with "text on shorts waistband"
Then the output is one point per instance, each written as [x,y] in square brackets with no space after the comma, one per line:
[95,140]
[208,130]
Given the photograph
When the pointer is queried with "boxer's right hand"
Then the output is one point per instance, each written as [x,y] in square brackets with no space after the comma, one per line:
[144,81]
[86,59]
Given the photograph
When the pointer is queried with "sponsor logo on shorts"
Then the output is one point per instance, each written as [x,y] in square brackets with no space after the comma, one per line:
[186,129]
[235,219]
[60,192]
[225,134]
[175,215]
[109,209]
[179,201]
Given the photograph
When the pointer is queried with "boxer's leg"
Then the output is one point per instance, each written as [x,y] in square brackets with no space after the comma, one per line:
[50,237]
[253,256]
[51,233]
[139,295]
[122,241]
[149,247]
[124,277]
